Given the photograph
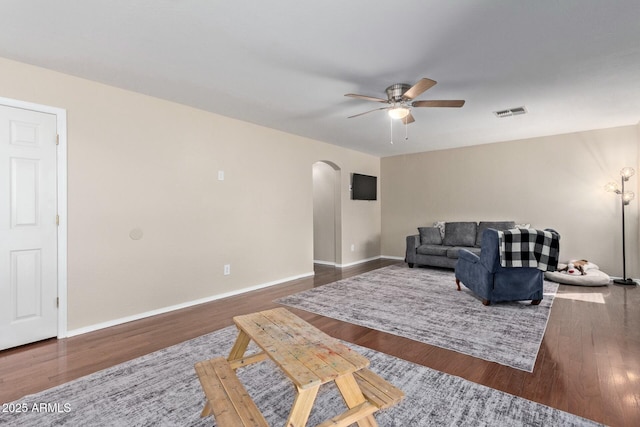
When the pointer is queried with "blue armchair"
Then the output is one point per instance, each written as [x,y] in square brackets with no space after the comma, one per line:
[486,278]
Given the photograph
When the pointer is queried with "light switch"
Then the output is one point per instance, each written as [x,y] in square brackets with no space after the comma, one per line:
[220,175]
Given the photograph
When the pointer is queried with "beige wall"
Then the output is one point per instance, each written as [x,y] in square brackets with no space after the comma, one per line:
[635,204]
[139,162]
[324,212]
[552,182]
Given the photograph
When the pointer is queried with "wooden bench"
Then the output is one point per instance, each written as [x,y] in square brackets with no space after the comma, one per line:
[379,394]
[377,390]
[227,398]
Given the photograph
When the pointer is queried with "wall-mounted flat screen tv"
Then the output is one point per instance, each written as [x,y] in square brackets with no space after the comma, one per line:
[364,187]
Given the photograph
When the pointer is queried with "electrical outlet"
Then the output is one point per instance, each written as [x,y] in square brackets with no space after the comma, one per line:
[227,269]
[353,247]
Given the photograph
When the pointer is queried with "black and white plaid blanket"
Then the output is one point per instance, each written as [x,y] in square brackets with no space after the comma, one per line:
[529,248]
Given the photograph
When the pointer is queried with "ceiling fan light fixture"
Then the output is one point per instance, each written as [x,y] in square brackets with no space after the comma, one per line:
[401,100]
[398,112]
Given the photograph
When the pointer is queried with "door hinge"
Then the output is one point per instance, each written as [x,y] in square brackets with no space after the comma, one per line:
[57,219]
[57,139]
[58,302]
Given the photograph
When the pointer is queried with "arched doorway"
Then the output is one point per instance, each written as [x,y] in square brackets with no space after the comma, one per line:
[327,219]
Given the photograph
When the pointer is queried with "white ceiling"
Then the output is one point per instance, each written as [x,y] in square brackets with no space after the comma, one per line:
[286,64]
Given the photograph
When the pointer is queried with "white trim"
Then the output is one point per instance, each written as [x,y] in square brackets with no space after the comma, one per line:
[362,261]
[61,125]
[399,258]
[61,116]
[315,261]
[115,322]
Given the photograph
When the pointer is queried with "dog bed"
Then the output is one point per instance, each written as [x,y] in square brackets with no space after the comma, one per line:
[592,277]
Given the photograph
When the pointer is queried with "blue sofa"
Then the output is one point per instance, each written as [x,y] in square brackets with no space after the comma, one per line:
[490,281]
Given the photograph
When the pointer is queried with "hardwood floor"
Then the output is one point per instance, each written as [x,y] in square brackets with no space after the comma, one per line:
[588,364]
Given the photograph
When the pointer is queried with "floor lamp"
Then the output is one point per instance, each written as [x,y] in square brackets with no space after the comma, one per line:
[626,197]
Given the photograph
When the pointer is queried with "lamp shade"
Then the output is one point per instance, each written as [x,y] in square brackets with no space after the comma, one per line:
[627,172]
[628,196]
[399,112]
[611,187]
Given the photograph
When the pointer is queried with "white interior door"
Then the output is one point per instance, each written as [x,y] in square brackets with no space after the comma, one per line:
[28,229]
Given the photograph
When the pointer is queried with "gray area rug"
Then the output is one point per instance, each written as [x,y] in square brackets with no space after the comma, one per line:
[162,389]
[423,305]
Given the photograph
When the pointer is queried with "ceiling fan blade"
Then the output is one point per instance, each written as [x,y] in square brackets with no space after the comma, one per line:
[367,98]
[415,90]
[450,103]
[367,112]
[408,119]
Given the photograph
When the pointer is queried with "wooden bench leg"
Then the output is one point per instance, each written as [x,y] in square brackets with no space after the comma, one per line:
[240,346]
[353,397]
[302,407]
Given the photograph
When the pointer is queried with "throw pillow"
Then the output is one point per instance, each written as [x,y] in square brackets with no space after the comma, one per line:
[440,226]
[460,234]
[496,225]
[429,236]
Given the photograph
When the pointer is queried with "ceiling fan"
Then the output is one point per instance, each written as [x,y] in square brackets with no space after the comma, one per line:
[400,99]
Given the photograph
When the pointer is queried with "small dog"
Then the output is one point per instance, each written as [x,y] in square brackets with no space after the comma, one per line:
[580,265]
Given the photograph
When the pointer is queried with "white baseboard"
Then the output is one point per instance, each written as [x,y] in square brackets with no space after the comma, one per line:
[115,322]
[399,258]
[317,261]
[361,261]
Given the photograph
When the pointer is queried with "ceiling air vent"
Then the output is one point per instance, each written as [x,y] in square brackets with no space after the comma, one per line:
[510,112]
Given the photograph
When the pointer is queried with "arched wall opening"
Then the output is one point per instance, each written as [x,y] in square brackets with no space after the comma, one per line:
[327,217]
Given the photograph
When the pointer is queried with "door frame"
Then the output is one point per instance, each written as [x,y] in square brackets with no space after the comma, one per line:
[337,210]
[61,174]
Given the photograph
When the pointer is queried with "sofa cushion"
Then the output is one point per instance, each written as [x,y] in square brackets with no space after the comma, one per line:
[460,234]
[429,236]
[437,250]
[496,225]
[454,252]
